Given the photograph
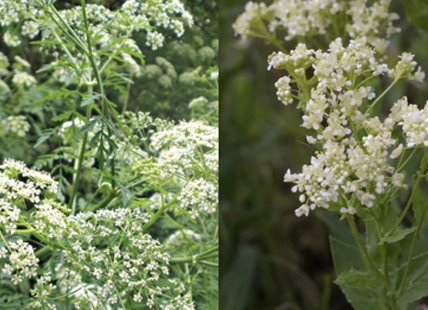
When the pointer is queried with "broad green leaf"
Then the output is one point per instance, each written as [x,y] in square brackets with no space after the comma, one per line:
[417,281]
[338,229]
[345,255]
[397,235]
[415,291]
[388,216]
[417,268]
[372,240]
[360,279]
[361,299]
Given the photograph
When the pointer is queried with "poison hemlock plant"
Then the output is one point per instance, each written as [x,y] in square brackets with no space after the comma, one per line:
[127,216]
[361,167]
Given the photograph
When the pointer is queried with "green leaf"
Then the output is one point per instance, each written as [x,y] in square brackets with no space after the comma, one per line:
[397,235]
[139,56]
[417,268]
[89,126]
[45,136]
[360,279]
[345,255]
[63,117]
[417,280]
[372,240]
[416,12]
[89,99]
[338,229]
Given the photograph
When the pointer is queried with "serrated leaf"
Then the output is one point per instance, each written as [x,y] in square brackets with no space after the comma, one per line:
[418,267]
[45,136]
[63,117]
[417,286]
[89,99]
[139,56]
[87,127]
[360,279]
[397,235]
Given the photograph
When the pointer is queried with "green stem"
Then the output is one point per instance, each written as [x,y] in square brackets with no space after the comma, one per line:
[194,258]
[5,242]
[43,252]
[113,193]
[401,166]
[204,262]
[418,225]
[365,255]
[381,96]
[104,105]
[72,202]
[24,231]
[66,29]
[422,166]
[155,217]
[32,230]
[107,62]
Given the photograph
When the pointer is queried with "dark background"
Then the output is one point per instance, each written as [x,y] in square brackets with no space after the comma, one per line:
[269,258]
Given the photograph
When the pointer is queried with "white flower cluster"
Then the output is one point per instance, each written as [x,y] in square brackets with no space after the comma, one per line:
[247,22]
[372,21]
[414,122]
[314,17]
[23,79]
[200,196]
[16,124]
[19,182]
[19,185]
[22,263]
[185,150]
[108,25]
[182,158]
[302,18]
[353,164]
[336,70]
[406,68]
[51,221]
[112,248]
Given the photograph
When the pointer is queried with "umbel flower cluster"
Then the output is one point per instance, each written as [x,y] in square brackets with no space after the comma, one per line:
[26,20]
[314,17]
[107,258]
[139,15]
[186,158]
[352,166]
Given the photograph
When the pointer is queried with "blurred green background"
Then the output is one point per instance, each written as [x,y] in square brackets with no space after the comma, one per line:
[269,258]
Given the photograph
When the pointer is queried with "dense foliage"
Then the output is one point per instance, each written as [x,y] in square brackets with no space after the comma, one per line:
[126,216]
